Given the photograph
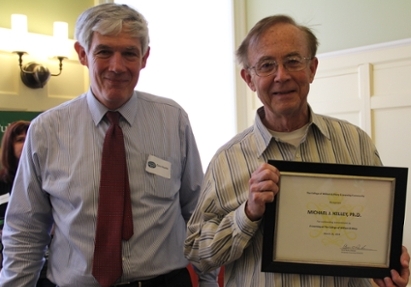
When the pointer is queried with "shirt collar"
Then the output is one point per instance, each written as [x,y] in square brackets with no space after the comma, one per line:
[264,137]
[319,122]
[98,110]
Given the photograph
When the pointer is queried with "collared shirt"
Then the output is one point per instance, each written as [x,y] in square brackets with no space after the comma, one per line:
[219,232]
[59,177]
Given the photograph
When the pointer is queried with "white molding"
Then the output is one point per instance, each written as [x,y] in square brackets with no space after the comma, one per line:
[368,48]
[244,96]
[364,93]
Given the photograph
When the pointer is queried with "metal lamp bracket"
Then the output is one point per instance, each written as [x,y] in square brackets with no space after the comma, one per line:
[35,75]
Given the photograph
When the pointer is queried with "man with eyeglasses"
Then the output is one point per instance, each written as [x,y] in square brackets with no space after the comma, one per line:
[279,64]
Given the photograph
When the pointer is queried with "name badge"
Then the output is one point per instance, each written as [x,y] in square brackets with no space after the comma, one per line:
[4,198]
[158,166]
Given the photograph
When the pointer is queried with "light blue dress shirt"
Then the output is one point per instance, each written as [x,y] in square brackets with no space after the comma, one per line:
[58,181]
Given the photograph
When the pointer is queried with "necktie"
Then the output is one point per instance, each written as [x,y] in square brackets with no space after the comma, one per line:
[114,218]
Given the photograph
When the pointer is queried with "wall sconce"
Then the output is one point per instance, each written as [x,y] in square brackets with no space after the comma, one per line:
[35,75]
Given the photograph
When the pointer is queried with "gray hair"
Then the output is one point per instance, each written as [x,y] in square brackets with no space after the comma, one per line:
[111,19]
[262,26]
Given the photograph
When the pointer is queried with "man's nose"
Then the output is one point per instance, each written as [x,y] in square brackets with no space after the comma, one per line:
[117,63]
[281,73]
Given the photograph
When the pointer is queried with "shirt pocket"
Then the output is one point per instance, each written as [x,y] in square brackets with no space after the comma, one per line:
[156,177]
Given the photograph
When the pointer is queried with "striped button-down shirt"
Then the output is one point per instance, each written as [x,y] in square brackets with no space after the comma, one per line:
[59,177]
[219,232]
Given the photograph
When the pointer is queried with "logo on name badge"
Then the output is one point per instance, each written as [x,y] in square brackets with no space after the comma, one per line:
[151,164]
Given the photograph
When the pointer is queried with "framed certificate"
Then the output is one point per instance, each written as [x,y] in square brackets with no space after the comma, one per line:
[335,220]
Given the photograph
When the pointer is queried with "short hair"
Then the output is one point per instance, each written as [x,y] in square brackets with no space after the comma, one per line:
[9,160]
[111,19]
[262,26]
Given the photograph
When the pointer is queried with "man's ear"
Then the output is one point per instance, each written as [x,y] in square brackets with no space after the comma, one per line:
[245,74]
[144,60]
[313,68]
[81,52]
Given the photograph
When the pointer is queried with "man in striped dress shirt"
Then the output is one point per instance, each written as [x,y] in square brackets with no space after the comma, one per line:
[278,59]
[59,175]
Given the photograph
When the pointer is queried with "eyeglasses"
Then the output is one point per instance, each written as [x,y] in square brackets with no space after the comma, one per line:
[291,64]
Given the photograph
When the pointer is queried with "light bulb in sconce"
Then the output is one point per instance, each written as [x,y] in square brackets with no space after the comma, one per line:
[60,39]
[35,75]
[19,32]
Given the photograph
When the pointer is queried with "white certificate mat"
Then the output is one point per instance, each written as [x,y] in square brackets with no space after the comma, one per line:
[334,219]
[330,219]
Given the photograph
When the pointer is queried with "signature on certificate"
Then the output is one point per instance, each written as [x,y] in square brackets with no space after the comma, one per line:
[355,249]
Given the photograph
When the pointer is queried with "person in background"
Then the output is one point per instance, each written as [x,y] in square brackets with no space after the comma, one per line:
[11,148]
[59,179]
[278,58]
